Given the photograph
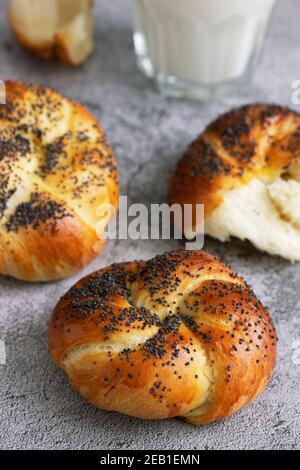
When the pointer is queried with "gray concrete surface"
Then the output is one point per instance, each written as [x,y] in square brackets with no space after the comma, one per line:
[38,408]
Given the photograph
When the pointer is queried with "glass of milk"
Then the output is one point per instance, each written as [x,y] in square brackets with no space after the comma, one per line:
[200,48]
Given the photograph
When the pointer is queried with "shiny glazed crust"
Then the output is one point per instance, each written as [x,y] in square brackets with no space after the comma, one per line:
[56,168]
[254,141]
[179,335]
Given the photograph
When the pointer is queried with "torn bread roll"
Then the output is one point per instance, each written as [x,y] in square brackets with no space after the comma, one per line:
[178,335]
[245,169]
[61,29]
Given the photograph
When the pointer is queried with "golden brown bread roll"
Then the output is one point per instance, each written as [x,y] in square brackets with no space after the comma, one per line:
[54,29]
[179,335]
[56,168]
[245,169]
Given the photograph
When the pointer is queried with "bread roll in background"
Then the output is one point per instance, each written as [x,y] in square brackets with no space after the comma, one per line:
[179,335]
[56,169]
[245,169]
[57,29]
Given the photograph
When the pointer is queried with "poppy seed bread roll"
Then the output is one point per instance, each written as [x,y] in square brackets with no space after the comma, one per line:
[245,169]
[56,169]
[179,335]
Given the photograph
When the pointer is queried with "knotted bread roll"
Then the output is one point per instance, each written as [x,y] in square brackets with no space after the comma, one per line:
[245,169]
[179,335]
[56,170]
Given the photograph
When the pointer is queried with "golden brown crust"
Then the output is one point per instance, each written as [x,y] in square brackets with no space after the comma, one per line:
[179,335]
[59,47]
[56,168]
[43,50]
[254,141]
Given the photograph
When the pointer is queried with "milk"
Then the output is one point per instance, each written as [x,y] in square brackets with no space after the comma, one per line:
[204,42]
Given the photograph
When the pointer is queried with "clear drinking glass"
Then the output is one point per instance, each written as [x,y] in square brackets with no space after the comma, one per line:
[200,48]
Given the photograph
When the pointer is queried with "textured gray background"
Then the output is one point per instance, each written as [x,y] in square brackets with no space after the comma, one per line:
[38,408]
